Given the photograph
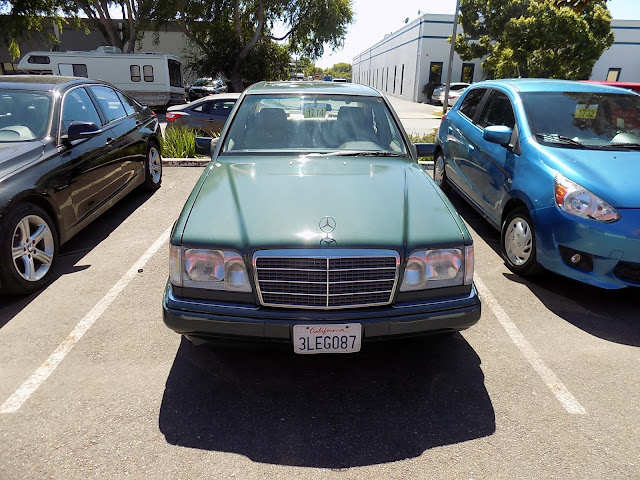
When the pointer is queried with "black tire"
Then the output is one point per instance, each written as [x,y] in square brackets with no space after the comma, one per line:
[439,173]
[152,167]
[518,243]
[28,228]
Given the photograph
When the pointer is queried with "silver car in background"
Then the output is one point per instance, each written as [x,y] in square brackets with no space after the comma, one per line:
[455,90]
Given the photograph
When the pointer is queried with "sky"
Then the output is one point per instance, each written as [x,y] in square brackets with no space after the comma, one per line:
[375,18]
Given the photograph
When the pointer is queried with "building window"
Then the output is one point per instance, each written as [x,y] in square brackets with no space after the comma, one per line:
[387,87]
[467,72]
[395,73]
[148,73]
[435,73]
[135,73]
[613,75]
[402,79]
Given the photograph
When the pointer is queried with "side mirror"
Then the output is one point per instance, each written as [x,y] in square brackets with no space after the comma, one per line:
[206,145]
[498,134]
[80,130]
[425,150]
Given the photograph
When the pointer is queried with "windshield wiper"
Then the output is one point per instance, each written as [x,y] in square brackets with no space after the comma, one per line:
[629,145]
[560,139]
[351,153]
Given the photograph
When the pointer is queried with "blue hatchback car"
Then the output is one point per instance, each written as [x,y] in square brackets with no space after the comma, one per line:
[555,166]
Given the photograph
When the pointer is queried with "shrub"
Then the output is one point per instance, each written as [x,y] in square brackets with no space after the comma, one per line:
[426,138]
[179,142]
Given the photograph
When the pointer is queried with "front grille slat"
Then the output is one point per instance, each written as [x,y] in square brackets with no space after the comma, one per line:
[344,279]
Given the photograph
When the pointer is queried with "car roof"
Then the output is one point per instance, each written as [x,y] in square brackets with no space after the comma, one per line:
[42,82]
[526,85]
[312,88]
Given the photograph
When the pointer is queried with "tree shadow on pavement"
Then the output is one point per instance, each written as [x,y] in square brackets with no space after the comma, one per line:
[391,401]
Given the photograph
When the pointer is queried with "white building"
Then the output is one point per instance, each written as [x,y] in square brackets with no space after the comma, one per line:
[403,62]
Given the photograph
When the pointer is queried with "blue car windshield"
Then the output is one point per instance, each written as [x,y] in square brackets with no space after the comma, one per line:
[609,121]
[24,115]
[323,124]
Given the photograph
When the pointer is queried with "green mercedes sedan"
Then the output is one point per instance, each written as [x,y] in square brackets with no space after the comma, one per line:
[314,225]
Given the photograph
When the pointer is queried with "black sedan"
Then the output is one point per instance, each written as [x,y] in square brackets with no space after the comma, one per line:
[69,149]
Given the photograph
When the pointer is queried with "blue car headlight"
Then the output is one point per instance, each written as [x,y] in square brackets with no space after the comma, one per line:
[577,200]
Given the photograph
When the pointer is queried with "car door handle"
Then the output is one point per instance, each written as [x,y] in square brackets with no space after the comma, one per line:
[470,148]
[110,141]
[450,129]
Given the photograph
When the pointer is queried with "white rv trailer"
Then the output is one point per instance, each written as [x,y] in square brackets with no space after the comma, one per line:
[153,79]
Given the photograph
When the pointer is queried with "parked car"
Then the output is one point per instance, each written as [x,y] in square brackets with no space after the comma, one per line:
[632,86]
[206,116]
[69,149]
[206,86]
[315,226]
[455,90]
[554,166]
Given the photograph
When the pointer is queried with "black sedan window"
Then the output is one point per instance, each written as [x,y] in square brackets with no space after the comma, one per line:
[23,115]
[109,102]
[77,107]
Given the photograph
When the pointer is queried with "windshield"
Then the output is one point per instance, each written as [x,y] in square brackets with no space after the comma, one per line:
[24,115]
[584,119]
[337,124]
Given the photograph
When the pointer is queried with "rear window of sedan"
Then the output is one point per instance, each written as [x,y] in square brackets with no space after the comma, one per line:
[24,115]
[317,123]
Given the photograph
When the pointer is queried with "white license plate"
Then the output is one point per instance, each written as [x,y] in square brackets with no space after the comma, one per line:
[331,338]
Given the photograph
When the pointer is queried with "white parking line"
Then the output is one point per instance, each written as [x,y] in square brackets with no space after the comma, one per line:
[20,396]
[563,395]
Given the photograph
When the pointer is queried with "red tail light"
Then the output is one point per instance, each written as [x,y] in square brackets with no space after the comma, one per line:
[444,115]
[171,116]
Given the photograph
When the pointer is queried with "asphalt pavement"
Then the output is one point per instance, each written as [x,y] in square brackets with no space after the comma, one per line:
[93,385]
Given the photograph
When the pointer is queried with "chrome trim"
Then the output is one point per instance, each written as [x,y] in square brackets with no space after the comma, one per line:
[326,254]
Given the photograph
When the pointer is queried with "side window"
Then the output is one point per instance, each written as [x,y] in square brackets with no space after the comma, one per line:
[80,70]
[135,73]
[129,105]
[78,107]
[497,111]
[109,102]
[221,108]
[471,102]
[148,73]
[199,108]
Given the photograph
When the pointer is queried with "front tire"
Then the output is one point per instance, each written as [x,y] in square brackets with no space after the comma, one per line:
[28,250]
[439,174]
[518,243]
[153,167]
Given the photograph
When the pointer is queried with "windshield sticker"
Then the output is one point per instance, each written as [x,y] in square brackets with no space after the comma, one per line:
[586,111]
[315,112]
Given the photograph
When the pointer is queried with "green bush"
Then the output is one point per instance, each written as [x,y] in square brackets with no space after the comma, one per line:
[179,142]
[426,138]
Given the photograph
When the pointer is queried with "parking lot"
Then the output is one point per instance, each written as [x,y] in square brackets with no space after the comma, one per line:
[93,385]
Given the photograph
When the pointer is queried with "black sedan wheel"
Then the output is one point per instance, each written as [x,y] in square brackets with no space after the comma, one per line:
[28,249]
[153,167]
[518,243]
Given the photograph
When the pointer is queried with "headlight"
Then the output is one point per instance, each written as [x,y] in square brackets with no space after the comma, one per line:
[578,201]
[210,269]
[438,268]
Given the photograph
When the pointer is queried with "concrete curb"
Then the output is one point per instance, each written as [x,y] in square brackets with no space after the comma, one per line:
[185,162]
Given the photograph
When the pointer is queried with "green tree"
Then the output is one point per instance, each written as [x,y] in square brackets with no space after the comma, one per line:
[246,26]
[24,19]
[535,38]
